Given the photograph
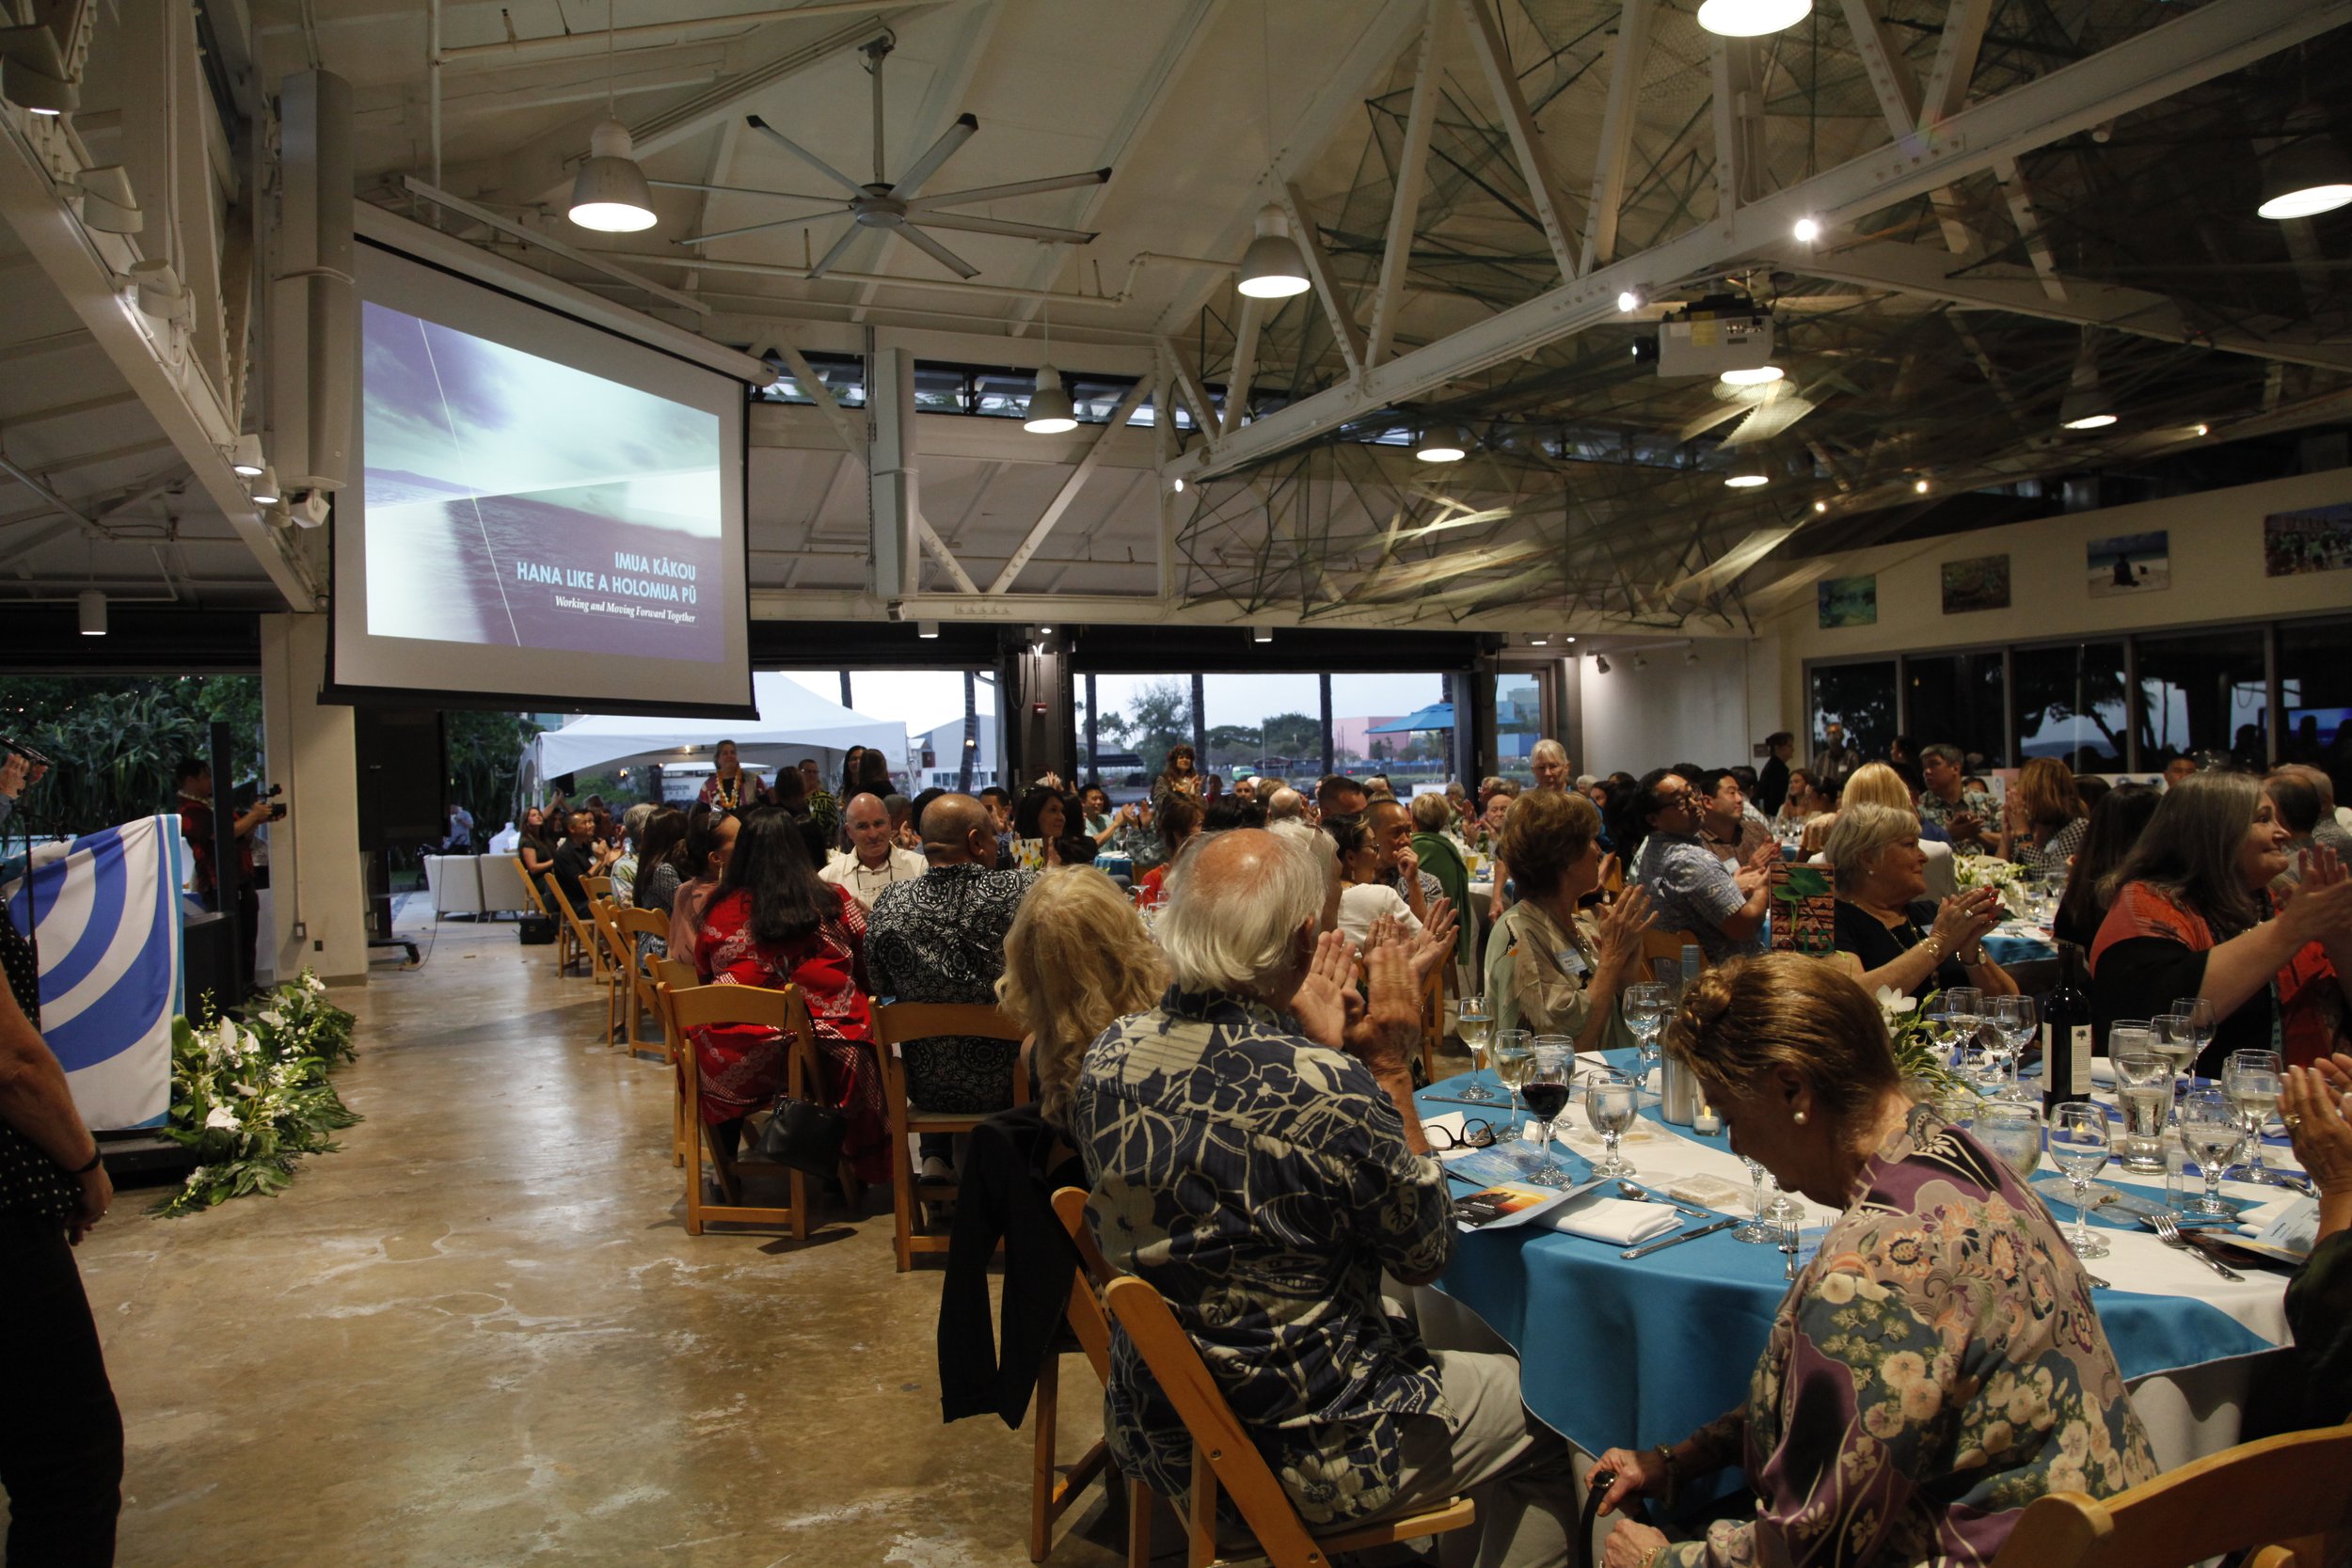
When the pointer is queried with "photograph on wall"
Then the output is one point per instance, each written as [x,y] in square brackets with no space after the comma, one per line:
[2316,540]
[1981,583]
[2130,563]
[1848,601]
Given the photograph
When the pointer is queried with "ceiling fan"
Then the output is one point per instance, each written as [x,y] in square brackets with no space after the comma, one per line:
[899,208]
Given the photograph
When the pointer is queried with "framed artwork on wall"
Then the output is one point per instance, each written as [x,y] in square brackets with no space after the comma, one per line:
[1979,583]
[2315,540]
[1848,601]
[2130,564]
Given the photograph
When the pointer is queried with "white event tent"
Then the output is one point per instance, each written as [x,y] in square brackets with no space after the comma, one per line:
[793,722]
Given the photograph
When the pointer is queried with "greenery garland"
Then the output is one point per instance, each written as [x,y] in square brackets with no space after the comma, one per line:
[253,1098]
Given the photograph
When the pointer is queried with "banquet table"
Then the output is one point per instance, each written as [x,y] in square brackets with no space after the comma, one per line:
[1639,1352]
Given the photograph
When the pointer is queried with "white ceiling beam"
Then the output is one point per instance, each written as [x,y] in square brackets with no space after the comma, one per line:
[1412,164]
[547,242]
[1244,362]
[1188,386]
[2211,42]
[2029,220]
[1899,96]
[1527,142]
[1310,237]
[1069,491]
[1931,274]
[672,32]
[1629,57]
[1955,66]
[1737,107]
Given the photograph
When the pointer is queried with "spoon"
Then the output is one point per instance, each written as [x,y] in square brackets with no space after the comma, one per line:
[1643,1195]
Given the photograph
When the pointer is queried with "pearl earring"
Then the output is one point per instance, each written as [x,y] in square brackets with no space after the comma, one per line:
[1800,1119]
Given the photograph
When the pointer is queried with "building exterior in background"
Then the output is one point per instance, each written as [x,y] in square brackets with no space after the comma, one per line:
[938,751]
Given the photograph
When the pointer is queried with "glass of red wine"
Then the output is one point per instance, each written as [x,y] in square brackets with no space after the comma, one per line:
[1546,1093]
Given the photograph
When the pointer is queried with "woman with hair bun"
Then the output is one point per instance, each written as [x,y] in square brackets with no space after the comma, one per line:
[1937,1365]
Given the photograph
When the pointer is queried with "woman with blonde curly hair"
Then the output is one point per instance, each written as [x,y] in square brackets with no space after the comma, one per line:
[1077,958]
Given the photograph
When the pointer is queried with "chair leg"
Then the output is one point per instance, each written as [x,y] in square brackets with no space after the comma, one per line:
[800,1206]
[1041,1477]
[1139,1524]
[722,1164]
[1200,1511]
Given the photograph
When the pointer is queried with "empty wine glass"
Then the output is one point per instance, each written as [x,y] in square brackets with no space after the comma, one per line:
[2200,1021]
[1645,1008]
[2211,1129]
[2254,1081]
[2013,1019]
[1612,1099]
[1472,1019]
[2080,1143]
[1759,1226]
[1546,1089]
[1965,1006]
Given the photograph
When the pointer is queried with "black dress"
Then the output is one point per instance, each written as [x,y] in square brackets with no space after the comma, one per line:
[1772,786]
[1860,932]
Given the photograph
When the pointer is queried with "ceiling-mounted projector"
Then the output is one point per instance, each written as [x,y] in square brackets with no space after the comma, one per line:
[1707,337]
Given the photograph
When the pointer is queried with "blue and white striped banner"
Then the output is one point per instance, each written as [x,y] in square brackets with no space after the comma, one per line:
[110,968]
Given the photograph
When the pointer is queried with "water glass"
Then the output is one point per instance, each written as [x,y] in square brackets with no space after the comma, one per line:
[1646,1006]
[2080,1144]
[2201,1018]
[1472,1020]
[2176,1041]
[1760,1226]
[1611,1101]
[1546,1089]
[2143,1083]
[2013,1019]
[2253,1080]
[2013,1129]
[1965,1006]
[2211,1129]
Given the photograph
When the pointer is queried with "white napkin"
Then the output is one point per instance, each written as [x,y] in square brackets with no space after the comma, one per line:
[1620,1221]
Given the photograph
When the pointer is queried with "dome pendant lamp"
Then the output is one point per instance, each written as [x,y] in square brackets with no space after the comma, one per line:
[1747,19]
[2306,178]
[609,192]
[1271,267]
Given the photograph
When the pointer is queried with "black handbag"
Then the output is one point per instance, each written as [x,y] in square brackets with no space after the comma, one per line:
[535,930]
[805,1136]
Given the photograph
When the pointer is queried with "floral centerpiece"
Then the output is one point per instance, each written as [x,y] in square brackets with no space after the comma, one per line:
[1923,1060]
[1974,871]
[251,1099]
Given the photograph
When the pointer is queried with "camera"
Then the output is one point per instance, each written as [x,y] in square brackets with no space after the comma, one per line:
[33,754]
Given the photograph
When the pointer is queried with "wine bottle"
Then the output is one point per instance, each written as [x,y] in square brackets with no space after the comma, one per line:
[2066,1034]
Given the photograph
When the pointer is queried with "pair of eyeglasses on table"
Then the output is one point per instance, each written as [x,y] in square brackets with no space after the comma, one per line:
[1477,1132]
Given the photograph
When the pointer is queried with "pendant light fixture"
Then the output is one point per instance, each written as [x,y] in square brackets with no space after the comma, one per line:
[266,490]
[1271,268]
[2306,177]
[1747,473]
[1442,443]
[2085,406]
[1050,412]
[1747,19]
[609,192]
[1755,375]
[91,606]
[245,458]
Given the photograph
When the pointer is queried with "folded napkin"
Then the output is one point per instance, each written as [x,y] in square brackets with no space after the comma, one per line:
[1620,1221]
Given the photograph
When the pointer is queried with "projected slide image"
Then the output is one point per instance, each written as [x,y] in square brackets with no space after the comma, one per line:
[516,503]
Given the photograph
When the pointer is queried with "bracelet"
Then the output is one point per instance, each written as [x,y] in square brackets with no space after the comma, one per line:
[96,1154]
[1673,1475]
[1978,962]
[1655,1553]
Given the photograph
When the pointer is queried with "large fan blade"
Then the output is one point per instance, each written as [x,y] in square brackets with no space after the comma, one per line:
[735,190]
[839,247]
[938,252]
[1022,187]
[833,212]
[998,225]
[927,165]
[803,154]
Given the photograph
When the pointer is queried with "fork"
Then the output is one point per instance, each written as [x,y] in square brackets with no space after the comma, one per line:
[1789,1249]
[2167,1229]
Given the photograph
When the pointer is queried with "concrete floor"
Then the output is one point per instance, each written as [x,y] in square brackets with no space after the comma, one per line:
[480,1334]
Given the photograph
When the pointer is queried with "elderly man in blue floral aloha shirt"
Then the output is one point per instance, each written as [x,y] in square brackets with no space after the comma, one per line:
[1254,1154]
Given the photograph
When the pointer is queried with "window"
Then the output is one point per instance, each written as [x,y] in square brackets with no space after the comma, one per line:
[1397,724]
[1519,723]
[1265,725]
[2315,686]
[1956,699]
[1859,696]
[1142,716]
[2070,705]
[2202,691]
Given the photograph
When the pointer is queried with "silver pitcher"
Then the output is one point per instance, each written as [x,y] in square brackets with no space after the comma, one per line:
[1678,1096]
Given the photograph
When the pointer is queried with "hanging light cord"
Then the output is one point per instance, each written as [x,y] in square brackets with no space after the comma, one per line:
[608,110]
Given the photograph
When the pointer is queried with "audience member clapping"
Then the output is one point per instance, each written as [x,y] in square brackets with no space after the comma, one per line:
[1565,968]
[2319,1297]
[1722,907]
[1903,940]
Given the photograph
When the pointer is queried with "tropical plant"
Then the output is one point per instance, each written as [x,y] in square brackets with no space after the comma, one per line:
[115,740]
[251,1099]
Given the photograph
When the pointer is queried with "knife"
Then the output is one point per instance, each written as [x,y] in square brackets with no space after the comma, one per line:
[1679,1238]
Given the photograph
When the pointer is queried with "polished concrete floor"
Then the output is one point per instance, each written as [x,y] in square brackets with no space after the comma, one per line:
[480,1333]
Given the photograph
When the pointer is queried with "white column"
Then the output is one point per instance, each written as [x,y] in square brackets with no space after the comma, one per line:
[315,911]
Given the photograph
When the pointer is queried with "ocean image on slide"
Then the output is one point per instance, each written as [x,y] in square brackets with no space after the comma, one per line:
[517,502]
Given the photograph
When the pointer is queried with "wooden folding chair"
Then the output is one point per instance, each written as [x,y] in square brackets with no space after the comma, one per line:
[895,1025]
[2282,1500]
[1052,1489]
[619,958]
[1666,944]
[684,1133]
[629,925]
[784,1011]
[596,887]
[573,938]
[1224,1455]
[545,911]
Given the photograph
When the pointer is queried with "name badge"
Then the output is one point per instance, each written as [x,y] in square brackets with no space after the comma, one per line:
[1572,962]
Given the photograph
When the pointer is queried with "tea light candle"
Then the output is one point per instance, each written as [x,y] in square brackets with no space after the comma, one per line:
[1707,1122]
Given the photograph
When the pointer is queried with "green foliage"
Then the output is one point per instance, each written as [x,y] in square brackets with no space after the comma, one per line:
[1162,720]
[485,751]
[253,1100]
[117,738]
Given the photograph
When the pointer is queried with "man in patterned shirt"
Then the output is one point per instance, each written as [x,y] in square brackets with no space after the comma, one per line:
[1946,804]
[1253,1152]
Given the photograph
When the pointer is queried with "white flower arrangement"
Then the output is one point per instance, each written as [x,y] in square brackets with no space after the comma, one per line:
[252,1101]
[1974,871]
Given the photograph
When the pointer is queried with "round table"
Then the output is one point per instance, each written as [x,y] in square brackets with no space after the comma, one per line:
[1637,1353]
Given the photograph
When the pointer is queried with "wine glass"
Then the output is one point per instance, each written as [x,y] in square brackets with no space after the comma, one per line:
[2211,1128]
[2014,1020]
[1514,1053]
[1546,1089]
[1611,1101]
[2176,1042]
[2013,1129]
[1760,1226]
[2143,1087]
[1472,1019]
[1645,1008]
[2201,1018]
[1944,1029]
[1965,1006]
[2253,1082]
[2080,1143]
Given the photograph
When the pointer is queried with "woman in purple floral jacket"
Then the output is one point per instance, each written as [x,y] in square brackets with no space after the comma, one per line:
[1937,1366]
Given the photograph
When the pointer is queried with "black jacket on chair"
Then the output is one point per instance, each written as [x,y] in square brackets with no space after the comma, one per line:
[1005,1191]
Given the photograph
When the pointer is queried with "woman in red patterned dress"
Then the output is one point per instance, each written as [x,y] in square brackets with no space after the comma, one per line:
[770,923]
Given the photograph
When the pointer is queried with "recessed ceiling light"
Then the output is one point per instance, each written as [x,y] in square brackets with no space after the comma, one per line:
[1755,375]
[1820,506]
[1919,487]
[1630,300]
[1807,229]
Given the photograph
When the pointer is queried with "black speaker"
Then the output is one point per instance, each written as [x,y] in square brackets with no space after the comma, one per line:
[208,965]
[403,763]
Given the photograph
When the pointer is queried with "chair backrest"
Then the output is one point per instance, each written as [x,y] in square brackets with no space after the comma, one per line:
[901,1022]
[597,887]
[676,973]
[1501,970]
[709,1006]
[2287,1492]
[1667,944]
[1086,1319]
[531,886]
[646,922]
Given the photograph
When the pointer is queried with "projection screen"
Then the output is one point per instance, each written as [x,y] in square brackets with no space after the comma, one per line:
[551,515]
